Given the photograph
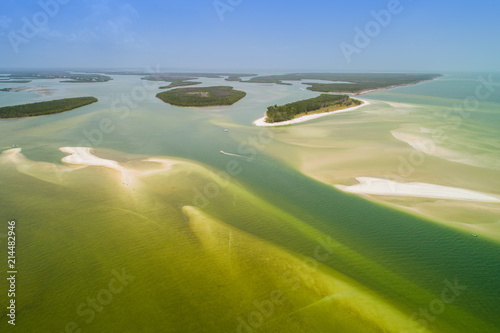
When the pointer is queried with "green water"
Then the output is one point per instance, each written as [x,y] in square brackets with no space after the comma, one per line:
[75,230]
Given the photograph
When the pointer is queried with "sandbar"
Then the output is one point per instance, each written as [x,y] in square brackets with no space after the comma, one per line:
[83,156]
[13,154]
[379,186]
[262,121]
[431,147]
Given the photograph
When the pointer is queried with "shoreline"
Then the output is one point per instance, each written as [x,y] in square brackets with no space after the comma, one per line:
[363,92]
[84,156]
[380,186]
[261,122]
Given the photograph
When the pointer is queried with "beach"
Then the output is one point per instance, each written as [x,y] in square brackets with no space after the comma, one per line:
[262,121]
[262,221]
[84,156]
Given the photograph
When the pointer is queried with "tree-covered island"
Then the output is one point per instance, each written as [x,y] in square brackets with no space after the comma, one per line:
[27,76]
[204,96]
[321,104]
[45,108]
[341,83]
[180,83]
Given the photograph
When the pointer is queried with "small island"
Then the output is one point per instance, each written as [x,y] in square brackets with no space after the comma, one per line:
[16,89]
[343,83]
[180,83]
[87,78]
[205,96]
[307,109]
[27,76]
[184,79]
[15,81]
[45,108]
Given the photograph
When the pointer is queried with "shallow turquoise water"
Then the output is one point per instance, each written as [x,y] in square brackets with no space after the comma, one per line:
[421,252]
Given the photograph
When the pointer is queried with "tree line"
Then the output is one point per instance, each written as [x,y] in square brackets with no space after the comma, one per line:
[206,96]
[44,108]
[291,110]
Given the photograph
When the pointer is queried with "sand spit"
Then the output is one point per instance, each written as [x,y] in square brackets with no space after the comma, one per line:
[262,121]
[83,156]
[165,165]
[45,171]
[379,186]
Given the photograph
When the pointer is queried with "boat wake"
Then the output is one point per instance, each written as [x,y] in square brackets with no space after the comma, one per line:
[231,154]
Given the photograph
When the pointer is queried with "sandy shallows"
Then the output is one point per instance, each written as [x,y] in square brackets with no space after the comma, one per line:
[378,186]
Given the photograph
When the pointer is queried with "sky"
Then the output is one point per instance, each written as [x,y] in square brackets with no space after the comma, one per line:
[252,35]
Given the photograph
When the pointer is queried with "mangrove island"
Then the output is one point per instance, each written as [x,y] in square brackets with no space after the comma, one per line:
[204,96]
[45,108]
[321,104]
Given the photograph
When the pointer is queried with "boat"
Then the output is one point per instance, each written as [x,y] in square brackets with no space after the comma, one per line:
[226,130]
[222,152]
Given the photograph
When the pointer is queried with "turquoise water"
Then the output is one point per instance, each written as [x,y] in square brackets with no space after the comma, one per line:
[399,255]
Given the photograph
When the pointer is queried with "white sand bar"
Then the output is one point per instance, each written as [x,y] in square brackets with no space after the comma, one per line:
[262,121]
[83,156]
[379,186]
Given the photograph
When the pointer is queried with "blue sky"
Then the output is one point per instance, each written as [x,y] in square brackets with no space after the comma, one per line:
[291,35]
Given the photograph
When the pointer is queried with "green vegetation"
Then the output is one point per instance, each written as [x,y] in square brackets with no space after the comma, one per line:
[16,89]
[85,78]
[356,83]
[15,81]
[171,77]
[277,79]
[185,79]
[206,96]
[234,78]
[320,104]
[44,108]
[180,83]
[168,78]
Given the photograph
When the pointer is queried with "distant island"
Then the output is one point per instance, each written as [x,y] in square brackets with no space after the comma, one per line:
[352,83]
[170,77]
[180,83]
[15,81]
[27,76]
[87,78]
[45,108]
[321,104]
[185,79]
[16,89]
[205,96]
